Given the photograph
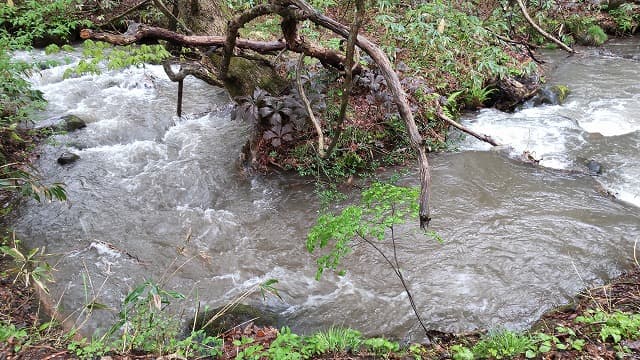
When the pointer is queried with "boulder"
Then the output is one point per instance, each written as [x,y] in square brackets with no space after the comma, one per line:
[595,168]
[62,123]
[553,95]
[236,316]
[68,158]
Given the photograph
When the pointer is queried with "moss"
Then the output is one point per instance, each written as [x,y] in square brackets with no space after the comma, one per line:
[561,92]
[245,75]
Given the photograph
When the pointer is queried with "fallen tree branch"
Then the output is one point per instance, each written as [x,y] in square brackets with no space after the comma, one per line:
[152,32]
[457,125]
[307,106]
[549,37]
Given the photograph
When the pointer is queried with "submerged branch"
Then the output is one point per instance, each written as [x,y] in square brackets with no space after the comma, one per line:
[457,125]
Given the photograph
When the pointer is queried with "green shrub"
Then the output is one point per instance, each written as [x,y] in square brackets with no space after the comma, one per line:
[502,345]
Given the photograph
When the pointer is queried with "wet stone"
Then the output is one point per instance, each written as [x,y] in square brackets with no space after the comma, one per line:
[68,158]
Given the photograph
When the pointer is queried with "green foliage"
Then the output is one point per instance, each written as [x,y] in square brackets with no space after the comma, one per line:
[17,98]
[14,179]
[502,345]
[29,266]
[381,207]
[381,346]
[613,327]
[37,19]
[97,53]
[9,331]
[450,48]
[460,352]
[627,17]
[335,339]
[88,350]
[143,322]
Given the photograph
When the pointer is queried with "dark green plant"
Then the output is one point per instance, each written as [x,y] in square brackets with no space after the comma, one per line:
[381,346]
[144,323]
[32,20]
[627,17]
[503,344]
[28,266]
[9,331]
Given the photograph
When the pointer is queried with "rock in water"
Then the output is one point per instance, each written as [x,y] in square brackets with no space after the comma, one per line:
[237,315]
[72,123]
[595,168]
[62,123]
[68,158]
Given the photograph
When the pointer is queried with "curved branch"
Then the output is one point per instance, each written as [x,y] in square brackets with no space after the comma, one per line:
[549,37]
[234,27]
[399,97]
[307,106]
[196,70]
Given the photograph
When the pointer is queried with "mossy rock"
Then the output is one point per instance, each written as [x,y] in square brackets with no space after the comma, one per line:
[247,75]
[66,123]
[72,123]
[238,315]
[554,95]
[561,92]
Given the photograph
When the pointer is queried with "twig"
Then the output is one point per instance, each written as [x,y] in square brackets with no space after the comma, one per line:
[396,270]
[348,76]
[170,15]
[307,106]
[125,13]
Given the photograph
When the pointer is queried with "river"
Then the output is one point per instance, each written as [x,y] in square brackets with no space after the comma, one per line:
[158,197]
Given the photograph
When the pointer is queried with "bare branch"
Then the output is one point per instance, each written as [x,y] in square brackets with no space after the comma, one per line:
[163,9]
[348,78]
[457,125]
[549,37]
[152,32]
[307,107]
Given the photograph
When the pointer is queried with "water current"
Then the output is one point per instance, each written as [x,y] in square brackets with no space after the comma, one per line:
[154,196]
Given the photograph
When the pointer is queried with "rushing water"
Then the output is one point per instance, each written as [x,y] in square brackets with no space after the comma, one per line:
[157,197]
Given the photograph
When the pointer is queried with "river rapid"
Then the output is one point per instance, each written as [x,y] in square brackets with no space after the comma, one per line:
[158,197]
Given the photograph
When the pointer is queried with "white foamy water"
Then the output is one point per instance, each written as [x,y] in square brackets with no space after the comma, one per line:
[598,122]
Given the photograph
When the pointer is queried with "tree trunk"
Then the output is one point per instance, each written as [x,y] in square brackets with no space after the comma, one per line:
[205,16]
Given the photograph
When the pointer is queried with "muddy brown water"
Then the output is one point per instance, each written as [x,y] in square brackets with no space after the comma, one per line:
[156,197]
